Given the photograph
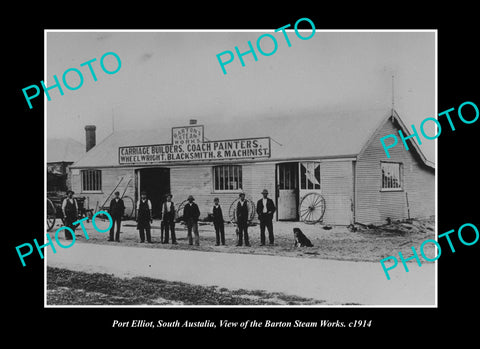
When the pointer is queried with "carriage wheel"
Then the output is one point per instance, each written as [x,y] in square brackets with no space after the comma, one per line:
[51,214]
[312,208]
[179,211]
[129,207]
[232,214]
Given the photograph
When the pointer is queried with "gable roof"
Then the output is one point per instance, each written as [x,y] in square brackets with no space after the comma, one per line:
[416,147]
[393,116]
[322,135]
[64,150]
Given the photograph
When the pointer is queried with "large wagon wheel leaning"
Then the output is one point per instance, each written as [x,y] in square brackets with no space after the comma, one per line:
[51,214]
[312,208]
[232,211]
[129,207]
[179,211]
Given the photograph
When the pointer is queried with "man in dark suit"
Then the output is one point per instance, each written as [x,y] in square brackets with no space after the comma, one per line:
[168,219]
[242,220]
[70,213]
[190,215]
[218,222]
[116,210]
[265,210]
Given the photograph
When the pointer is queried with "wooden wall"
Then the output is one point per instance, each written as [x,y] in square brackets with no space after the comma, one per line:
[336,187]
[110,178]
[198,181]
[374,205]
[336,181]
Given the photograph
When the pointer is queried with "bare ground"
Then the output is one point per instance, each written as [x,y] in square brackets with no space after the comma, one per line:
[370,243]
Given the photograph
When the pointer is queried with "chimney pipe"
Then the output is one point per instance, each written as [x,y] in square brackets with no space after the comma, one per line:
[90,136]
[193,121]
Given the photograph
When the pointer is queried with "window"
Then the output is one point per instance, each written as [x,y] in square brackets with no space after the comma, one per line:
[227,177]
[310,175]
[287,176]
[391,173]
[91,180]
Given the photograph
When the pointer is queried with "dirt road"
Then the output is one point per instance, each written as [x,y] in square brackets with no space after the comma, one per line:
[336,282]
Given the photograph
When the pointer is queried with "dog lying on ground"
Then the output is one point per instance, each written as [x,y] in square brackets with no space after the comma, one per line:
[300,239]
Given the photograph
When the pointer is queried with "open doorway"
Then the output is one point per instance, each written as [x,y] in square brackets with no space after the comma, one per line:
[156,182]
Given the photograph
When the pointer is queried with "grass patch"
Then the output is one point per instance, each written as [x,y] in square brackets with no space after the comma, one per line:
[66,287]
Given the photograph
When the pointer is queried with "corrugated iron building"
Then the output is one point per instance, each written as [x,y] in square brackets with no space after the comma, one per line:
[337,155]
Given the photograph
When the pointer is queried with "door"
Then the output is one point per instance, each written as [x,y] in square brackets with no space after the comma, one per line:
[334,181]
[156,182]
[287,191]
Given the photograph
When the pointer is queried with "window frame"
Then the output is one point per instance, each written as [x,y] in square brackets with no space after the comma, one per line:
[92,176]
[227,172]
[303,178]
[400,175]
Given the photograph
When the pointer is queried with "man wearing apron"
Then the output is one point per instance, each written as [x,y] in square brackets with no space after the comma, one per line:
[144,217]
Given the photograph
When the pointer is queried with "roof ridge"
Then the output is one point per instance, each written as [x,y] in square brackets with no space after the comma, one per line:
[94,148]
[337,133]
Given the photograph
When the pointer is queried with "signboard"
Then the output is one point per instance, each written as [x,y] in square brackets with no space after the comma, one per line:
[188,145]
[187,135]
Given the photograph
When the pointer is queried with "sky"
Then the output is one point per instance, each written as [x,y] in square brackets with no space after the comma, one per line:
[171,77]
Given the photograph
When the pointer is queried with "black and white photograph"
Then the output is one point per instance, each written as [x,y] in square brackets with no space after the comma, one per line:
[268,184]
[226,174]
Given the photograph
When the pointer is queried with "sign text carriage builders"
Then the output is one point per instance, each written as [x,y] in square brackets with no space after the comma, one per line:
[188,144]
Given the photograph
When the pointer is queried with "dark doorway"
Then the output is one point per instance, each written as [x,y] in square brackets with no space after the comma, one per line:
[156,182]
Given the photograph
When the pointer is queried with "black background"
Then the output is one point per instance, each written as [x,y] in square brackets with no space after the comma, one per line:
[457,175]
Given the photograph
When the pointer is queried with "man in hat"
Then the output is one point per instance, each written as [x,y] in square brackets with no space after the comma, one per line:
[116,210]
[218,222]
[168,219]
[265,210]
[144,217]
[190,215]
[70,213]
[242,220]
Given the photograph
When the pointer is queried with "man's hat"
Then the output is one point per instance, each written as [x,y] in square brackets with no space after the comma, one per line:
[117,193]
[264,191]
[143,193]
[70,191]
[171,196]
[190,197]
[242,193]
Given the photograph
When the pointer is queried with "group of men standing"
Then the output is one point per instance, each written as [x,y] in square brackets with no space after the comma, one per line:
[265,211]
[191,214]
[145,218]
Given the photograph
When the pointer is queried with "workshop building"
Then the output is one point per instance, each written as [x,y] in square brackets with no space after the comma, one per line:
[336,155]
